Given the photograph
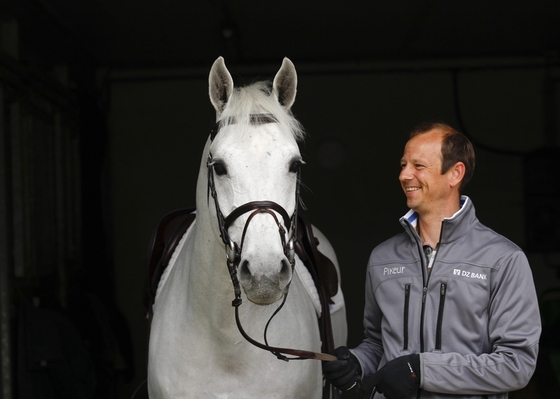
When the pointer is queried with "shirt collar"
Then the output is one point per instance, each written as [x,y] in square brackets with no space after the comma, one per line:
[412,216]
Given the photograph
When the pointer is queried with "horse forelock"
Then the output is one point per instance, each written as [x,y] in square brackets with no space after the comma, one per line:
[257,99]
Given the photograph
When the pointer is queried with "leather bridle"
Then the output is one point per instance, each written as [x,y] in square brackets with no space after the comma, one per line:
[286,226]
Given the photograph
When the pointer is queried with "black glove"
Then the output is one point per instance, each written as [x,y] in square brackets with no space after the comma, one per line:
[398,379]
[345,372]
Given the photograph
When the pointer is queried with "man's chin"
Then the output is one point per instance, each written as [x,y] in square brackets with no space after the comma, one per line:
[411,203]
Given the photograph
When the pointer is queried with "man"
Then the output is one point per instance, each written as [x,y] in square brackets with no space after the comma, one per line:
[450,305]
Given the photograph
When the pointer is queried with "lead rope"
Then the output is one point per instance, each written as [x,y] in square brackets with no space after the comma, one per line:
[233,259]
[232,264]
[300,354]
[278,355]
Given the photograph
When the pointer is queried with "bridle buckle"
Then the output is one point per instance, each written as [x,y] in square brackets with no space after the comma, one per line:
[232,252]
[291,252]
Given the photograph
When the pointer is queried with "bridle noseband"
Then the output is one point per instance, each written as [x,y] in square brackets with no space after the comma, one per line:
[287,230]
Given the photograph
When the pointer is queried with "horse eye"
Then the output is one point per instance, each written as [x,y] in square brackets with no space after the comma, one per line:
[219,168]
[296,165]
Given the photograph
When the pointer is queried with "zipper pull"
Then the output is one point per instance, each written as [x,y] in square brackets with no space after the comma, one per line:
[424,292]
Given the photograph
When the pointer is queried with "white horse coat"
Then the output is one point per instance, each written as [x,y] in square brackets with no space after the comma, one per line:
[195,348]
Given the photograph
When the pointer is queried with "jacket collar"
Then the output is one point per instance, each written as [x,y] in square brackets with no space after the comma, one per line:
[452,228]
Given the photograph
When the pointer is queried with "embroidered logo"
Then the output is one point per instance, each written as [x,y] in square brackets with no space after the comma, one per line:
[464,273]
[393,270]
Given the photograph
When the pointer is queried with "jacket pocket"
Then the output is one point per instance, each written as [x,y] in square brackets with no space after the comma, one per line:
[442,294]
[405,315]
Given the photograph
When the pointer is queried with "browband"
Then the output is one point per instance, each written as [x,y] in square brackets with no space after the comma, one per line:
[254,119]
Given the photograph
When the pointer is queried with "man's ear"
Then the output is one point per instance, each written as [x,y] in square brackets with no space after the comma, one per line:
[457,172]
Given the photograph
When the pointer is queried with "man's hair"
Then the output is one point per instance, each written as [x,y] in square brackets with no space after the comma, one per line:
[455,147]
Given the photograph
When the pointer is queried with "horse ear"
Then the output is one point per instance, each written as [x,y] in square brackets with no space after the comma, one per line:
[220,85]
[284,86]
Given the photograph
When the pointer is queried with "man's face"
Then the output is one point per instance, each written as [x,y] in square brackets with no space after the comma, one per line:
[426,189]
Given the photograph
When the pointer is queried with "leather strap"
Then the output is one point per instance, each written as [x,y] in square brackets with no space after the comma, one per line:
[324,275]
[250,206]
[254,119]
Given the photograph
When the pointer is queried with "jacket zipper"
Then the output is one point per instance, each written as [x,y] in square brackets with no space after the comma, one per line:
[426,280]
[405,322]
[442,293]
[425,292]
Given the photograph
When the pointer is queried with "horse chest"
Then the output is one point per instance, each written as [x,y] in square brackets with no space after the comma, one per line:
[216,362]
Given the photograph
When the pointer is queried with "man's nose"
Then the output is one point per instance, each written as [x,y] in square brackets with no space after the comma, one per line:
[405,174]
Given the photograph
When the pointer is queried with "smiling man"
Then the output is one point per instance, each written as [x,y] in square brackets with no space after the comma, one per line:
[451,307]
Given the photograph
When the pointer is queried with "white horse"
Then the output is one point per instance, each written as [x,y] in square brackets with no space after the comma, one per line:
[195,348]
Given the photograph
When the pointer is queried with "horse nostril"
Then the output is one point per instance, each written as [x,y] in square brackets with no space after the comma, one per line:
[243,273]
[285,275]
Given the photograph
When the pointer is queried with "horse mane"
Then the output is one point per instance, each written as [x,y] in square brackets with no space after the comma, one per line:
[257,98]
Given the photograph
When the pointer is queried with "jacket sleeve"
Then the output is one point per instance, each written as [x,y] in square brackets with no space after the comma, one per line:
[370,351]
[514,329]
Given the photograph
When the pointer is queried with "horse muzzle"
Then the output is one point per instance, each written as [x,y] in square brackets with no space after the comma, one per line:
[265,289]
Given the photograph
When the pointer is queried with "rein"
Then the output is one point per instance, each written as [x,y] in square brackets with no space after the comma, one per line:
[233,250]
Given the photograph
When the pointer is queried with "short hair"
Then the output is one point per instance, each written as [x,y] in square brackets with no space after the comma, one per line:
[455,147]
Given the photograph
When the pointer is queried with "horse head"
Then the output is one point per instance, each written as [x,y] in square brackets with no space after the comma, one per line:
[253,162]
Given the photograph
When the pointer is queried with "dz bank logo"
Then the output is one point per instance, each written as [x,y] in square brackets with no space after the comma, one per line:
[464,273]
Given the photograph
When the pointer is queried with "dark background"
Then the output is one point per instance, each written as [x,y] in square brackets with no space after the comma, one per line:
[106,101]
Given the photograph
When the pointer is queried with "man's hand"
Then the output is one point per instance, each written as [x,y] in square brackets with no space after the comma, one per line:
[398,379]
[345,372]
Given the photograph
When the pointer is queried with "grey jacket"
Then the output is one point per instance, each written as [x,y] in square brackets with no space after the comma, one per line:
[474,319]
